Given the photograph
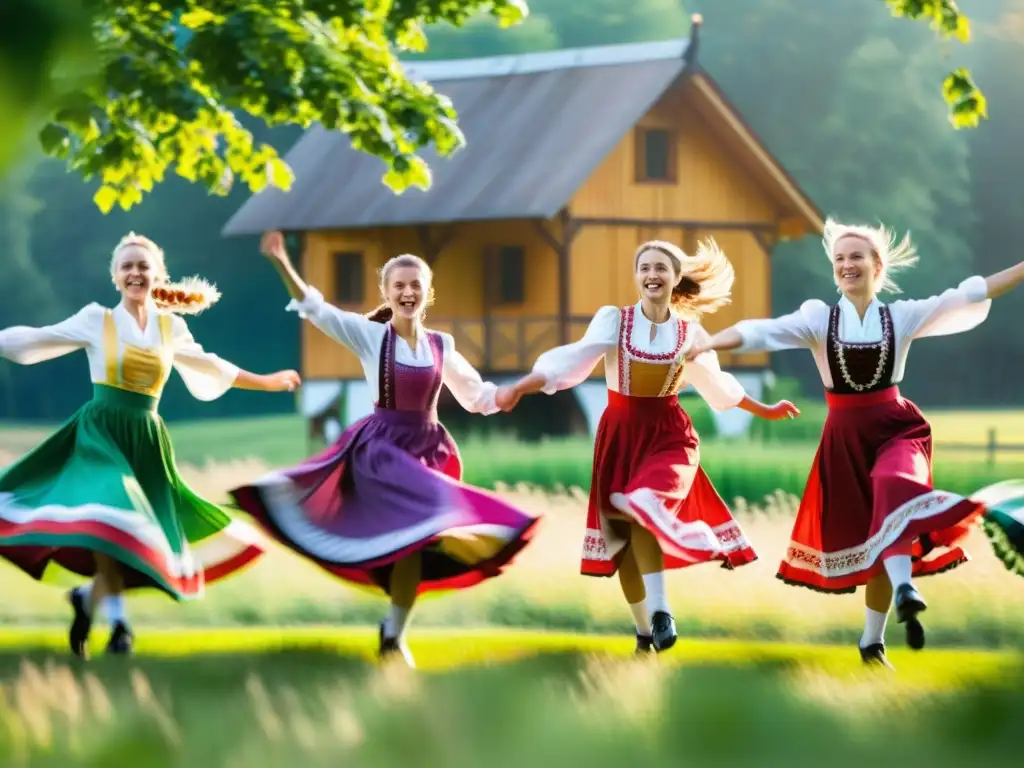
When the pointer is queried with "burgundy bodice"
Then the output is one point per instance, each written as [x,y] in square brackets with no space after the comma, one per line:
[869,366]
[408,387]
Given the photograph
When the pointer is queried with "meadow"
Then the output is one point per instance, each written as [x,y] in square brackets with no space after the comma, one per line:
[707,704]
[981,604]
[276,664]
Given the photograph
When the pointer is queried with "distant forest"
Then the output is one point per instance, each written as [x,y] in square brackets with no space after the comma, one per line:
[842,93]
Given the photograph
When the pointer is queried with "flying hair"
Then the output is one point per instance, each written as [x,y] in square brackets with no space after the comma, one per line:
[189,296]
[705,279]
[892,256]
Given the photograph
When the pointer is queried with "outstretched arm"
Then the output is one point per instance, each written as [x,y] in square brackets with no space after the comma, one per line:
[28,346]
[801,329]
[566,366]
[208,376]
[272,246]
[1003,282]
[781,410]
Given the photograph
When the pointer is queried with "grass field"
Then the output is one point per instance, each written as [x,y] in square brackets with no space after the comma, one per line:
[501,699]
[980,604]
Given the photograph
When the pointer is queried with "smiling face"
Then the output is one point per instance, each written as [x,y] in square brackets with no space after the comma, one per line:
[135,271]
[856,267]
[406,291]
[655,276]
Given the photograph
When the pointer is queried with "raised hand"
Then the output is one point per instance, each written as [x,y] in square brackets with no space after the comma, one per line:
[272,246]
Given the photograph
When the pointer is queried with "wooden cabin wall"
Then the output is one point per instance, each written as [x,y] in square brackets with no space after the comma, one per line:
[459,307]
[711,186]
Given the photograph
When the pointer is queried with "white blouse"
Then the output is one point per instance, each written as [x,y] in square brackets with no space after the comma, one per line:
[566,366]
[953,311]
[206,375]
[365,337]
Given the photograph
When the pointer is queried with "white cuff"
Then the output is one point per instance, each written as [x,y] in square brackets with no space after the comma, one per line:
[309,305]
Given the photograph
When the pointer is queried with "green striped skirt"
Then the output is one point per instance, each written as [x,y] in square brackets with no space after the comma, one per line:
[106,483]
[1003,521]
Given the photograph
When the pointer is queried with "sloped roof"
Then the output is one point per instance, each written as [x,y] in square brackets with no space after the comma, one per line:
[536,126]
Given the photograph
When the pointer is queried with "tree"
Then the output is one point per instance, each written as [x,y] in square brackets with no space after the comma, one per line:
[157,100]
[966,102]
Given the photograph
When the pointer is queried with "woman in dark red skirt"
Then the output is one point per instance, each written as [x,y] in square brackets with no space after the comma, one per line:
[651,505]
[870,515]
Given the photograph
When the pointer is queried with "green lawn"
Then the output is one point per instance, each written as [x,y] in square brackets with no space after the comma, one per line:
[281,697]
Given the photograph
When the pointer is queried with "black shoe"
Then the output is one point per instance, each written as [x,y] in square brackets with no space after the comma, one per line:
[81,624]
[121,640]
[644,645]
[909,604]
[390,648]
[663,632]
[874,655]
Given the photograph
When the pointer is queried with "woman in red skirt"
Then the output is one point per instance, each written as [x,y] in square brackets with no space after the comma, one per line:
[651,505]
[870,515]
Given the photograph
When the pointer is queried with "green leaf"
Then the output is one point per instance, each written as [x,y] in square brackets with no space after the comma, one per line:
[199,18]
[55,140]
[279,174]
[105,198]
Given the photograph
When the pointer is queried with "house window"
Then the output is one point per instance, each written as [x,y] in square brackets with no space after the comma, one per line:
[349,278]
[505,270]
[655,155]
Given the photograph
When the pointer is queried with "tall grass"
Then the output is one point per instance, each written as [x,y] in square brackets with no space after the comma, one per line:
[324,710]
[978,604]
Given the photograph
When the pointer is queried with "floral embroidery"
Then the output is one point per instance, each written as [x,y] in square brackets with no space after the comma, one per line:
[835,564]
[628,353]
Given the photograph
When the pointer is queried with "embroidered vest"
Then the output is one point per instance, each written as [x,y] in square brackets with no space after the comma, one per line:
[409,387]
[642,374]
[860,368]
[132,368]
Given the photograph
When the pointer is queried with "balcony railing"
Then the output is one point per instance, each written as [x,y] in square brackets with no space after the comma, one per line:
[506,344]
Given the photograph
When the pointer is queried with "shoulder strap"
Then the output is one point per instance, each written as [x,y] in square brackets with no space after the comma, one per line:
[386,368]
[110,346]
[166,322]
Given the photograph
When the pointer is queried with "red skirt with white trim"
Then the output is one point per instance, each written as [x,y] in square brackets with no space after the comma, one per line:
[647,471]
[870,495]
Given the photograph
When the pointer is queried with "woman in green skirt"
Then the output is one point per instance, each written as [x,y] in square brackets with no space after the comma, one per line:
[102,497]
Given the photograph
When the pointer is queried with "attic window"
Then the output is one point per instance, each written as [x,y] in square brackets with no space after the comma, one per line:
[349,280]
[655,155]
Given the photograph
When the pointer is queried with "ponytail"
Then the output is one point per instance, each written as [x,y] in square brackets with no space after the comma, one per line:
[381,314]
[185,297]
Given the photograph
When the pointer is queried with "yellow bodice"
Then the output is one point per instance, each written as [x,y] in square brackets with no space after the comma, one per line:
[642,374]
[134,369]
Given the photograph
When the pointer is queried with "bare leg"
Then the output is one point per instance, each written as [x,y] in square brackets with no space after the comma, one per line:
[635,592]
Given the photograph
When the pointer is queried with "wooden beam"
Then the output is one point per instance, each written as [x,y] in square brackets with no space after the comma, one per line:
[765,241]
[563,249]
[720,226]
[432,247]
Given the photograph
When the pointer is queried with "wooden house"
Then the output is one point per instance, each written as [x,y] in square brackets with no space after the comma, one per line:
[573,158]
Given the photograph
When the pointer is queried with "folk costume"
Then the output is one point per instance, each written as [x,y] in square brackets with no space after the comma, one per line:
[646,467]
[106,482]
[869,497]
[1003,521]
[390,486]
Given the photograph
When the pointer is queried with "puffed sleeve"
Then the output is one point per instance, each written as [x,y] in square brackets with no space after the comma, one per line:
[802,329]
[27,346]
[953,311]
[350,329]
[464,381]
[566,366]
[719,389]
[206,375]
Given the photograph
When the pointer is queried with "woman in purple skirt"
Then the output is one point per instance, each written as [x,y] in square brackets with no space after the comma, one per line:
[384,507]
